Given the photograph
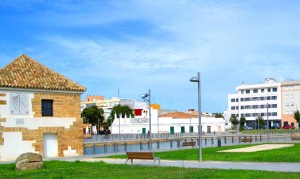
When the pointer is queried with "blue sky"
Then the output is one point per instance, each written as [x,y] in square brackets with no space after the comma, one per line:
[134,45]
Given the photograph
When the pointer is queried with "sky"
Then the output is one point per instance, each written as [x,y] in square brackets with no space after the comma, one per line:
[126,47]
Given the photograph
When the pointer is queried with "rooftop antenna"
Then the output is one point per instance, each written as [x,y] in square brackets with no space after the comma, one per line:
[118,93]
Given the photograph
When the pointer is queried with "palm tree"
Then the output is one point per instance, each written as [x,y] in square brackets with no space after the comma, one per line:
[120,111]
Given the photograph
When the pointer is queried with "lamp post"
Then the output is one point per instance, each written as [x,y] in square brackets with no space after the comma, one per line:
[144,96]
[98,126]
[190,125]
[267,122]
[197,79]
[119,125]
[158,126]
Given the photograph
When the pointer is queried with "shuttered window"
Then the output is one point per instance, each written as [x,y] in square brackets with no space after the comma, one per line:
[47,107]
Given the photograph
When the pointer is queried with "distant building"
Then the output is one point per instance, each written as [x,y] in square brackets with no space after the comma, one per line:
[139,107]
[290,92]
[176,122]
[39,111]
[272,100]
[94,98]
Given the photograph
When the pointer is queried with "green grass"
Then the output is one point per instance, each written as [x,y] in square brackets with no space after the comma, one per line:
[60,169]
[290,154]
[271,131]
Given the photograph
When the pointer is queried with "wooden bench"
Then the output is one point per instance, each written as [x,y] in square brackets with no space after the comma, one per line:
[246,139]
[185,144]
[142,155]
[295,136]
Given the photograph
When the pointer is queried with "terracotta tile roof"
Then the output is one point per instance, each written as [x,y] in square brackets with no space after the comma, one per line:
[179,115]
[91,98]
[24,72]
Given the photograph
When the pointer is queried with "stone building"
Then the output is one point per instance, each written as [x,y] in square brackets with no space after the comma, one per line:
[39,111]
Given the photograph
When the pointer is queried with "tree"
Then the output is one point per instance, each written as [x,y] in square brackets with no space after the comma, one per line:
[105,125]
[234,120]
[120,111]
[92,115]
[260,122]
[297,117]
[219,115]
[242,122]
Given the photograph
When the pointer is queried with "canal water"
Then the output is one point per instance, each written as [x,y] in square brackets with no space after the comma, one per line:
[176,144]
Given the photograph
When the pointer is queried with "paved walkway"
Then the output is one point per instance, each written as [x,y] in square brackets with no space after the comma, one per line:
[264,166]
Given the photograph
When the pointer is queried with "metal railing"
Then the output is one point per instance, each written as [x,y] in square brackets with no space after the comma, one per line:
[124,137]
[169,144]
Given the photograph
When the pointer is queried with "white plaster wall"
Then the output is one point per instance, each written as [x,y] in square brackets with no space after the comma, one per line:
[4,109]
[165,123]
[35,123]
[14,146]
[70,152]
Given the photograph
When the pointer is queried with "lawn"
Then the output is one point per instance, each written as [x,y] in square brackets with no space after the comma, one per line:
[271,131]
[290,154]
[61,169]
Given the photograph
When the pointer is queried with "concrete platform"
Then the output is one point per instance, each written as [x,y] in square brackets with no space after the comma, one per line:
[259,148]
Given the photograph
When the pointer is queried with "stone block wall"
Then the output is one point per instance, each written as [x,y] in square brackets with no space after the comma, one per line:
[2,102]
[64,105]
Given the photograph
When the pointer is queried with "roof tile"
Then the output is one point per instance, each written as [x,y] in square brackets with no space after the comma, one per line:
[24,72]
[179,115]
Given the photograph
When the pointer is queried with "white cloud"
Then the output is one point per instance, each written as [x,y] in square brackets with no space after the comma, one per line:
[137,45]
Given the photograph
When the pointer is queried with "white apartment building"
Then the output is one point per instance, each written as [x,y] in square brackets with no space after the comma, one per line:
[254,100]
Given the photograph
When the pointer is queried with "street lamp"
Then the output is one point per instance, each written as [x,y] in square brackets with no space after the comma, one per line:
[267,122]
[197,79]
[144,96]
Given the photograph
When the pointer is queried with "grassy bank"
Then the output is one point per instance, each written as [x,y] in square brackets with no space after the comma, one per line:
[271,131]
[290,154]
[60,169]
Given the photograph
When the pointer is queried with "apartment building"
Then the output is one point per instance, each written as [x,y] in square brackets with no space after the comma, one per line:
[254,100]
[290,92]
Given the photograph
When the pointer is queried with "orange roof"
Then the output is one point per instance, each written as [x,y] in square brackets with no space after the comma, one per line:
[91,98]
[24,72]
[155,106]
[179,115]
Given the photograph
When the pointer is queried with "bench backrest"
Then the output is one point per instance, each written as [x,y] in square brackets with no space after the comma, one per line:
[140,155]
[246,139]
[188,143]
